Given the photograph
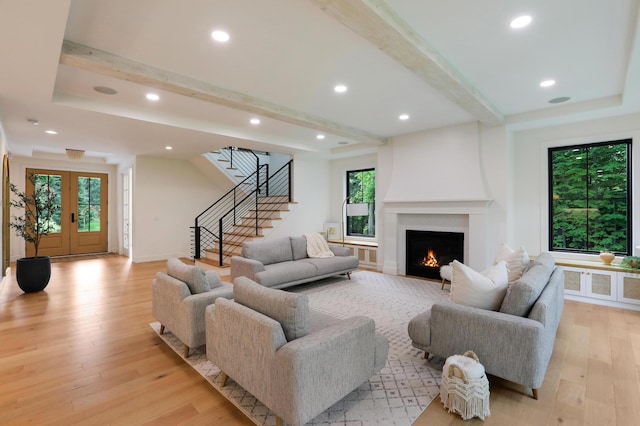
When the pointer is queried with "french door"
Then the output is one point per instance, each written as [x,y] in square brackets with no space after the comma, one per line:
[81,225]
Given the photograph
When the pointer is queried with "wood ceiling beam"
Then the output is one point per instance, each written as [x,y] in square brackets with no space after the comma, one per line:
[105,63]
[379,24]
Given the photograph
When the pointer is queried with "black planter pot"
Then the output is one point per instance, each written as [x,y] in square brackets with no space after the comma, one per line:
[33,273]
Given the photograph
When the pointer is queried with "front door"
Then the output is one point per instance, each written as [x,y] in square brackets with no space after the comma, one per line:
[81,226]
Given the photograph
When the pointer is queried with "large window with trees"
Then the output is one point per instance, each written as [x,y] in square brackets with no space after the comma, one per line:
[361,188]
[590,198]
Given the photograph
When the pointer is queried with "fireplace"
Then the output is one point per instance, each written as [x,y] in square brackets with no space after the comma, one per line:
[428,250]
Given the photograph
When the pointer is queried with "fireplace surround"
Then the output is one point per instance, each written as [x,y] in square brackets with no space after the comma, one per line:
[470,217]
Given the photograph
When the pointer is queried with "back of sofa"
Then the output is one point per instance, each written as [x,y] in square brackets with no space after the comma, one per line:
[276,250]
[523,293]
[268,251]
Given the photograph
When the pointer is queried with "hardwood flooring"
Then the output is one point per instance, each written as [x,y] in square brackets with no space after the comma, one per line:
[82,352]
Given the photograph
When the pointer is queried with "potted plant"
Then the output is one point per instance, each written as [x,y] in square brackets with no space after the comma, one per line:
[38,206]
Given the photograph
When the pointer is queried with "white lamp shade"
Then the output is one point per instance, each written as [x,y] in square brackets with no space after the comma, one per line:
[358,209]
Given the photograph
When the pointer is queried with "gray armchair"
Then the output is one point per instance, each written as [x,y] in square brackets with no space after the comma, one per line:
[179,299]
[295,363]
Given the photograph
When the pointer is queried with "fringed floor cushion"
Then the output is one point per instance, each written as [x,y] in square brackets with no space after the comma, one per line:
[465,387]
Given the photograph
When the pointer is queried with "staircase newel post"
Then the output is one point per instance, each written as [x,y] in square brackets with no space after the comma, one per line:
[197,241]
[267,175]
[290,181]
[257,213]
[220,251]
[234,206]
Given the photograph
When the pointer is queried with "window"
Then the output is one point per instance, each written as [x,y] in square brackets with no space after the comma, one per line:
[361,188]
[590,198]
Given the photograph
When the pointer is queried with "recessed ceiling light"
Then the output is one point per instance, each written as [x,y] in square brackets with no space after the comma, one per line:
[254,121]
[51,132]
[521,21]
[221,36]
[320,137]
[547,83]
[153,97]
[559,100]
[168,148]
[403,117]
[105,90]
[340,88]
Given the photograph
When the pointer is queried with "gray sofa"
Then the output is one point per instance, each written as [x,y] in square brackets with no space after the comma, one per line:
[514,343]
[297,362]
[283,262]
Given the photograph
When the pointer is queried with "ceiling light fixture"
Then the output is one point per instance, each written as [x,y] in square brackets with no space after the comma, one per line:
[521,22]
[51,132]
[220,36]
[403,117]
[340,88]
[547,83]
[168,148]
[254,121]
[320,137]
[75,154]
[152,97]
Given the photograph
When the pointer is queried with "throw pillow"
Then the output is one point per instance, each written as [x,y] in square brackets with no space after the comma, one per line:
[484,290]
[213,279]
[193,276]
[517,260]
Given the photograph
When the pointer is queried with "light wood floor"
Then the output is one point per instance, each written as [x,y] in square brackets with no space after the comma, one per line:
[82,352]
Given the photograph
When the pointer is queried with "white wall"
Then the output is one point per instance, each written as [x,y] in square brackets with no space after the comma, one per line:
[467,162]
[19,166]
[440,164]
[167,196]
[311,174]
[530,205]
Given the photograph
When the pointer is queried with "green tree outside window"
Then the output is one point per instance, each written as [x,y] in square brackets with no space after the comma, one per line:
[589,198]
[361,188]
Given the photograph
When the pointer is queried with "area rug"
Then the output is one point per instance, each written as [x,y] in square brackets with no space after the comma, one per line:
[395,396]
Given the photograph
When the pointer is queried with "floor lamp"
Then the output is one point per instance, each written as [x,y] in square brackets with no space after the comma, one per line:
[353,209]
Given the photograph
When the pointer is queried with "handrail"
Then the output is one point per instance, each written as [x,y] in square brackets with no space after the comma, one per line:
[246,166]
[251,197]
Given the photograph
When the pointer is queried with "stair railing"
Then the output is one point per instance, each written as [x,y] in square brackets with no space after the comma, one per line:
[242,162]
[247,206]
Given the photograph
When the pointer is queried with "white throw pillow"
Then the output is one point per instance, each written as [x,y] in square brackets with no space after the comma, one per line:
[483,290]
[517,260]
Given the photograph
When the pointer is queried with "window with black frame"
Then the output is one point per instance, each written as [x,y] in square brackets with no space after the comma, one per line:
[361,189]
[590,198]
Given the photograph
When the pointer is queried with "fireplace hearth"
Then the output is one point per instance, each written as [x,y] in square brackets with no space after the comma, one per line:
[426,251]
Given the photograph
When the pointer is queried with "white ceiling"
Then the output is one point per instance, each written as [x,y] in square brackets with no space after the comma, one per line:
[443,63]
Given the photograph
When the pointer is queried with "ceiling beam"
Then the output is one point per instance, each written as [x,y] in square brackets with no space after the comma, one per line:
[379,24]
[105,63]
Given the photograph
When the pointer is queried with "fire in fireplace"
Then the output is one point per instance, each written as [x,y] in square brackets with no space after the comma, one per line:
[426,251]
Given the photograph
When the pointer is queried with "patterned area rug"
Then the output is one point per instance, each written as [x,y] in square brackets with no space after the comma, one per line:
[395,396]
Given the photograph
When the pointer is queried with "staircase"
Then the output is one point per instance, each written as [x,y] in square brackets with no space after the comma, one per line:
[237,163]
[245,213]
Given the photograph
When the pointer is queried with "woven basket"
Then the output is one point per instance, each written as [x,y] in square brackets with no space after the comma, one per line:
[464,395]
